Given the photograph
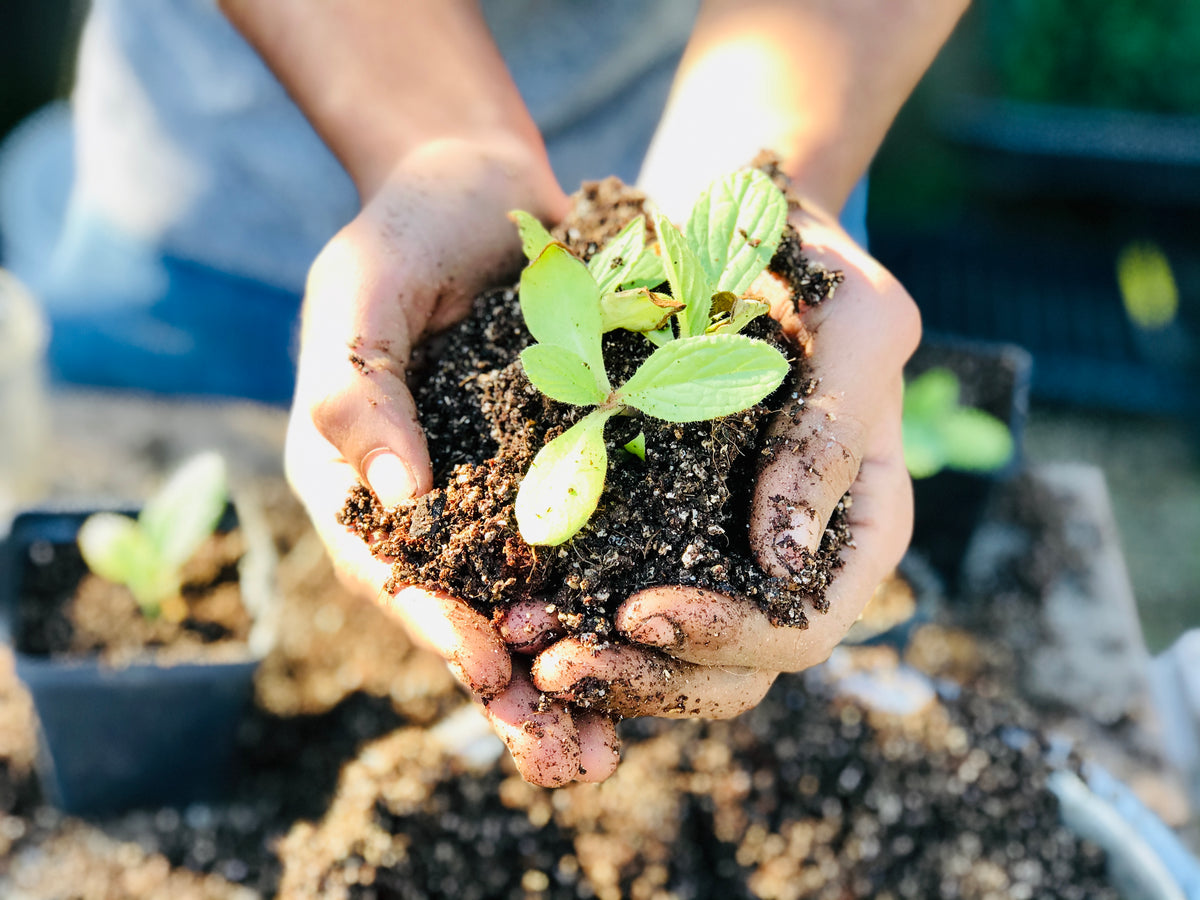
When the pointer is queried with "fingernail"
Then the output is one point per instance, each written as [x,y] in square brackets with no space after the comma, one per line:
[389,477]
[657,631]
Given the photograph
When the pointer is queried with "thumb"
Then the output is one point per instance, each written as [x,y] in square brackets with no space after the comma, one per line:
[355,346]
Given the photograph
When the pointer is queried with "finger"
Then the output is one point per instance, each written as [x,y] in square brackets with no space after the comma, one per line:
[599,745]
[710,629]
[630,681]
[355,346]
[541,736]
[526,627]
[862,338]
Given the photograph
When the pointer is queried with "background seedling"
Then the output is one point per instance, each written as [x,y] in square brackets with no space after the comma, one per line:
[147,554]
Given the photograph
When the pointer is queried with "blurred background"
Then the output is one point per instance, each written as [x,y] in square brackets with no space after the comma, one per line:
[1041,188]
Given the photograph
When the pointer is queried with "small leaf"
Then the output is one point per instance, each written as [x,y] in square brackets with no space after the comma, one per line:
[693,379]
[743,312]
[560,374]
[561,306]
[661,336]
[637,310]
[647,271]
[562,487]
[975,440]
[616,259]
[637,446]
[186,509]
[116,549]
[735,228]
[930,395]
[688,280]
[534,236]
[924,451]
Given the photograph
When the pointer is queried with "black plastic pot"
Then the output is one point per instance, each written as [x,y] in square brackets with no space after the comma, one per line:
[116,738]
[949,505]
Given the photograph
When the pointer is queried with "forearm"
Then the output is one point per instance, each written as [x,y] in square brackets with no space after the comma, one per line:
[379,78]
[817,81]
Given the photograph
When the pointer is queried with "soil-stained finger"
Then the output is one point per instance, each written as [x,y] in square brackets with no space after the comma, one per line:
[469,643]
[541,737]
[599,745]
[631,681]
[711,629]
[526,627]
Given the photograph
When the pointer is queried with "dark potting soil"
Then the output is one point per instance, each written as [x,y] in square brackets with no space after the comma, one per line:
[66,610]
[678,518]
[807,796]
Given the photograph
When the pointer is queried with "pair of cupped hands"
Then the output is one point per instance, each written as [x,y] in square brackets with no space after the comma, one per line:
[429,237]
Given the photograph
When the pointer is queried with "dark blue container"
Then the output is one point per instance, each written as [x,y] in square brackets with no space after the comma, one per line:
[112,739]
[948,506]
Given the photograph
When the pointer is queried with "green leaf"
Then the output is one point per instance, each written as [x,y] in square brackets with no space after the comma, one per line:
[616,259]
[647,271]
[637,446]
[693,379]
[534,236]
[930,395]
[924,450]
[116,549]
[975,440]
[562,488]
[688,280]
[561,374]
[637,310]
[735,228]
[741,313]
[186,509]
[661,336]
[561,306]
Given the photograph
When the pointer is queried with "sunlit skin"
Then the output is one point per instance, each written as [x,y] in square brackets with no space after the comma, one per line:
[437,168]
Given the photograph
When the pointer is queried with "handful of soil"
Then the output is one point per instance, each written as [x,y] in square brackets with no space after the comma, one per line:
[679,517]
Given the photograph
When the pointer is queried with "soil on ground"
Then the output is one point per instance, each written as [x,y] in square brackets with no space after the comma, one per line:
[678,517]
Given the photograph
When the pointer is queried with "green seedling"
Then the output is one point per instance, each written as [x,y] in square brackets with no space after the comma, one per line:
[147,554]
[939,433]
[701,369]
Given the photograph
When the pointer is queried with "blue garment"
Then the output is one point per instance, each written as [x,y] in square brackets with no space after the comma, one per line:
[199,194]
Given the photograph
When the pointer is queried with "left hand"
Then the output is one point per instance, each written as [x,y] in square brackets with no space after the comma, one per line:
[695,652]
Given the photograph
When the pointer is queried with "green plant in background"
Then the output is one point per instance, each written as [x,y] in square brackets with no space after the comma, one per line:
[1123,54]
[702,368]
[147,554]
[1147,285]
[939,433]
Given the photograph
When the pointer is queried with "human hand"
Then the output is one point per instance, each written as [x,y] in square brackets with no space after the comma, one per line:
[715,656]
[428,239]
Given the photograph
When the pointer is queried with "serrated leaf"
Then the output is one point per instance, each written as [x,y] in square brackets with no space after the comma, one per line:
[616,259]
[560,303]
[647,271]
[185,511]
[931,394]
[563,485]
[118,550]
[560,374]
[735,227]
[637,310]
[975,440]
[687,278]
[534,236]
[693,379]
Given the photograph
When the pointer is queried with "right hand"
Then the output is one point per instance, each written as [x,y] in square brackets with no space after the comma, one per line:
[428,239]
